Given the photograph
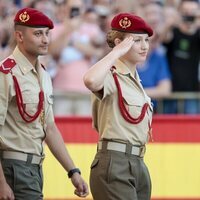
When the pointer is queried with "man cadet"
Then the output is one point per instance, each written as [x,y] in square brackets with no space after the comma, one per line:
[26,117]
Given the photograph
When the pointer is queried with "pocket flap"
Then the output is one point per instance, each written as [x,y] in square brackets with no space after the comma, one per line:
[33,98]
[134,101]
[94,163]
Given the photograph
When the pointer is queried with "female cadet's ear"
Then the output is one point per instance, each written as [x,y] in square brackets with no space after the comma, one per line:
[117,41]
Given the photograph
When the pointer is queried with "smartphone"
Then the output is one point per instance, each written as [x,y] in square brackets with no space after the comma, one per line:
[75,11]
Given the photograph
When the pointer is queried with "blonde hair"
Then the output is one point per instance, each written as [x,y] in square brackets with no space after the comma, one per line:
[112,35]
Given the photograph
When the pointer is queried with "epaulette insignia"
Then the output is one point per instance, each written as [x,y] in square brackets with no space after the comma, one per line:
[7,65]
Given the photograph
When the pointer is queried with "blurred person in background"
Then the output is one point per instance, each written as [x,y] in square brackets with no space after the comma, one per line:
[76,51]
[7,12]
[171,3]
[182,39]
[121,112]
[104,10]
[154,72]
[125,6]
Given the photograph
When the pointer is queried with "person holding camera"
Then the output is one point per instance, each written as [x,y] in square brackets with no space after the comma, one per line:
[182,41]
[83,46]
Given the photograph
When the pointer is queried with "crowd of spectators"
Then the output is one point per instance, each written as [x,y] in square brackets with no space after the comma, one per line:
[78,40]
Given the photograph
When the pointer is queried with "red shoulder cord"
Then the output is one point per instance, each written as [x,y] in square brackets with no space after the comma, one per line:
[20,104]
[126,115]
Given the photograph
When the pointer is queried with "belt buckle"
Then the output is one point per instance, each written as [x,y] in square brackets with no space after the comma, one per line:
[142,151]
[99,145]
[42,159]
[37,159]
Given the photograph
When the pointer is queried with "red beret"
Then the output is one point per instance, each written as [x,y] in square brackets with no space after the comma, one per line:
[130,23]
[33,18]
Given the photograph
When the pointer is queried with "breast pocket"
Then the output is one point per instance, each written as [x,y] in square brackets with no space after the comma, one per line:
[30,105]
[133,105]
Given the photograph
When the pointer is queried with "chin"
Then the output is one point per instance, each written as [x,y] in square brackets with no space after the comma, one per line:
[43,53]
[141,61]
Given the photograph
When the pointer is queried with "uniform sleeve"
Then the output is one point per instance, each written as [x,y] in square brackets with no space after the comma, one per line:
[108,88]
[4,97]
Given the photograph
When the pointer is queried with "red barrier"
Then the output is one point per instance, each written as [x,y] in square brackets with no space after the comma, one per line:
[166,129]
[171,165]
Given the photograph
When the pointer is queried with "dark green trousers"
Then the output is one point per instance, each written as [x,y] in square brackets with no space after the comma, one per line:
[25,179]
[119,176]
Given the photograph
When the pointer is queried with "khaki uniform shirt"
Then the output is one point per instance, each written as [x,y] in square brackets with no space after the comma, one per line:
[107,118]
[15,133]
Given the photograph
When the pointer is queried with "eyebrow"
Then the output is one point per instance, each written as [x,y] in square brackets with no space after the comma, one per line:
[138,36]
[40,30]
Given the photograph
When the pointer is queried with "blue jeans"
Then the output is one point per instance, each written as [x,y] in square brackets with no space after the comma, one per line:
[190,106]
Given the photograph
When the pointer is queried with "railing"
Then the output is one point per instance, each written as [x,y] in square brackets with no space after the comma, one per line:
[179,96]
[71,95]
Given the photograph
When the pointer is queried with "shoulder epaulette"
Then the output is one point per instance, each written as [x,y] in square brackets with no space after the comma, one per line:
[7,65]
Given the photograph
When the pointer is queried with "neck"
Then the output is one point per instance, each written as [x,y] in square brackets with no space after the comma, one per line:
[31,58]
[131,66]
[188,29]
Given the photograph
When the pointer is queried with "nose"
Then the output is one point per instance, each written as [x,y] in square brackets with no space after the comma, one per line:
[145,45]
[45,39]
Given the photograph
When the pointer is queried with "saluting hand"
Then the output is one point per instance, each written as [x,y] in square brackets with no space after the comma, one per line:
[124,46]
[80,185]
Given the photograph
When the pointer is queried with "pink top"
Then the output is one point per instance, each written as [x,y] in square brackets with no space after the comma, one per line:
[70,77]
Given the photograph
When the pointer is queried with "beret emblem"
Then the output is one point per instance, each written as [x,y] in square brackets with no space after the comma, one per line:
[24,17]
[125,22]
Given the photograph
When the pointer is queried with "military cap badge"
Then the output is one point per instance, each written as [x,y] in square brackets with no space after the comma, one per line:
[125,22]
[24,17]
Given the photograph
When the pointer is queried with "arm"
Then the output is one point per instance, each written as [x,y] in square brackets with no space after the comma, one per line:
[166,35]
[59,43]
[5,190]
[172,19]
[89,50]
[163,89]
[57,146]
[61,40]
[95,76]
